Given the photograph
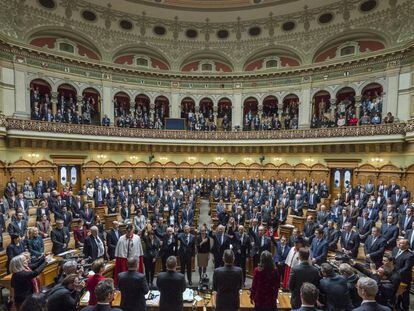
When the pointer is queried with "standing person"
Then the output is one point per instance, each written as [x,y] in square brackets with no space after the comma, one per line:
[23,280]
[64,296]
[60,238]
[15,248]
[300,274]
[94,248]
[133,287]
[242,250]
[98,267]
[265,284]
[308,295]
[186,252]
[260,244]
[104,292]
[203,250]
[171,285]
[292,260]
[168,247]
[221,243]
[333,286]
[129,245]
[367,290]
[112,238]
[281,253]
[319,248]
[151,250]
[227,282]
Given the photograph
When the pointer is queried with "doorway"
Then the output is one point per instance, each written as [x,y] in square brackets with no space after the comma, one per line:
[341,179]
[69,175]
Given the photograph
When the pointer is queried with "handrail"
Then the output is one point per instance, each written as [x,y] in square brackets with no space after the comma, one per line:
[400,128]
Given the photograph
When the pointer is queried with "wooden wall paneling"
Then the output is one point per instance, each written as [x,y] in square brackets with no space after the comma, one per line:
[255,170]
[3,177]
[20,170]
[365,172]
[141,170]
[89,170]
[199,169]
[285,171]
[227,170]
[269,171]
[156,169]
[109,169]
[45,169]
[302,171]
[185,170]
[409,178]
[212,170]
[170,170]
[125,168]
[390,172]
[320,172]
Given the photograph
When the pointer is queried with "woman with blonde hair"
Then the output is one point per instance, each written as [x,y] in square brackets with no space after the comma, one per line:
[35,243]
[23,280]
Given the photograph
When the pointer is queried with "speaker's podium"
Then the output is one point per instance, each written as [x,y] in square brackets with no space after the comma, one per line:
[296,221]
[175,124]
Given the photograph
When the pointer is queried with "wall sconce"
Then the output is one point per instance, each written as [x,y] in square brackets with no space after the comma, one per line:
[309,160]
[277,159]
[377,161]
[134,158]
[165,159]
[248,159]
[33,155]
[191,158]
[219,159]
[101,156]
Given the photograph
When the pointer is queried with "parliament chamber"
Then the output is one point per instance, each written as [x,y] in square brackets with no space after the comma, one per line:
[194,140]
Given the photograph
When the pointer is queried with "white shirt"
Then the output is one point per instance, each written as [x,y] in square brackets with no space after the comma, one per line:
[131,247]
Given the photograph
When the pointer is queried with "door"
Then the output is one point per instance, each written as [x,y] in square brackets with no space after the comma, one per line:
[69,175]
[342,178]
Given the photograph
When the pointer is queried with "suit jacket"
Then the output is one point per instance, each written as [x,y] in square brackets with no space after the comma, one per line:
[280,256]
[364,229]
[408,236]
[300,274]
[218,247]
[331,235]
[59,237]
[409,223]
[39,213]
[66,217]
[296,208]
[332,288]
[313,200]
[111,241]
[89,219]
[375,250]
[43,228]
[352,244]
[390,234]
[102,308]
[322,218]
[227,281]
[342,221]
[319,251]
[404,264]
[171,285]
[133,287]
[90,248]
[187,217]
[186,248]
[169,249]
[372,306]
[14,229]
[258,248]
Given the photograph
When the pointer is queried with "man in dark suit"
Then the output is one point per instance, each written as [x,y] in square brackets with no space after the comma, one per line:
[112,238]
[111,204]
[409,235]
[313,199]
[367,290]
[322,216]
[349,241]
[406,221]
[168,247]
[331,235]
[51,183]
[133,287]
[281,252]
[94,247]
[308,295]
[319,248]
[389,232]
[227,282]
[397,198]
[374,247]
[60,238]
[99,196]
[260,244]
[282,214]
[343,219]
[87,215]
[18,226]
[297,206]
[104,292]
[300,274]
[221,243]
[242,249]
[186,252]
[187,216]
[76,206]
[65,216]
[364,226]
[404,262]
[171,285]
[309,230]
[333,286]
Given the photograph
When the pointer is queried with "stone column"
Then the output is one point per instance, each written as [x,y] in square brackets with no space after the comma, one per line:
[260,109]
[215,113]
[280,110]
[237,110]
[358,106]
[54,101]
[79,99]
[7,91]
[391,99]
[22,102]
[175,105]
[304,108]
[152,112]
[333,108]
[107,102]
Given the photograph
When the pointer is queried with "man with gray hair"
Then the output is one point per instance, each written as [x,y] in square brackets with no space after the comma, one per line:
[93,247]
[221,243]
[104,292]
[168,247]
[367,290]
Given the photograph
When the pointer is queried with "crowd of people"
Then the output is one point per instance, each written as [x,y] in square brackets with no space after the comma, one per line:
[159,215]
[68,109]
[346,114]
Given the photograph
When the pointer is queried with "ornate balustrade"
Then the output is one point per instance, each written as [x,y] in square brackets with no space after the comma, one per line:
[64,128]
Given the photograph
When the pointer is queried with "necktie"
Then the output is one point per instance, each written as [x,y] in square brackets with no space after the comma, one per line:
[188,239]
[407,220]
[262,244]
[87,213]
[222,239]
[399,253]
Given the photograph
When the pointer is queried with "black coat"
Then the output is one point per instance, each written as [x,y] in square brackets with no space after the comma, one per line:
[61,299]
[404,264]
[90,248]
[13,250]
[168,249]
[60,237]
[333,287]
[227,281]
[352,244]
[171,286]
[101,308]
[300,274]
[111,241]
[133,287]
[186,249]
[372,306]
[375,250]
[14,229]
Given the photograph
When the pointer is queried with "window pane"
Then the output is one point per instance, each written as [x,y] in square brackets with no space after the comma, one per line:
[73,175]
[66,47]
[271,63]
[337,179]
[348,50]
[347,179]
[206,67]
[142,62]
[63,177]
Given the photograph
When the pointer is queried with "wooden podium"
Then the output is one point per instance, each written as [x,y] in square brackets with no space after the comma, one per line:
[286,230]
[311,212]
[296,221]
[109,219]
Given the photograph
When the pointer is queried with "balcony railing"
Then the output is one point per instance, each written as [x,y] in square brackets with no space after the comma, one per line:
[93,130]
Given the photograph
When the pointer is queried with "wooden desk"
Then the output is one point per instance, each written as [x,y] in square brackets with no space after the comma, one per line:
[47,277]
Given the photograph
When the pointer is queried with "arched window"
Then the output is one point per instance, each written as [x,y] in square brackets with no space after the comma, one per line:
[66,47]
[206,67]
[142,62]
[272,63]
[348,50]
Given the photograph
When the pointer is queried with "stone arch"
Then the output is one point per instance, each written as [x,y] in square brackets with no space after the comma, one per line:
[205,55]
[142,49]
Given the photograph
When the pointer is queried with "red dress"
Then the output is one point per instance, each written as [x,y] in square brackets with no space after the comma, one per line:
[265,288]
[90,287]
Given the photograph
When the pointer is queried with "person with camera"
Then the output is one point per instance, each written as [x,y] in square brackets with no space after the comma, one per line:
[65,296]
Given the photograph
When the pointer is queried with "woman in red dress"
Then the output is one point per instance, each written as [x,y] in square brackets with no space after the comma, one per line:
[265,285]
[98,267]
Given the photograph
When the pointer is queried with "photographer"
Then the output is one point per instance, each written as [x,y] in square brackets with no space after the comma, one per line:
[65,296]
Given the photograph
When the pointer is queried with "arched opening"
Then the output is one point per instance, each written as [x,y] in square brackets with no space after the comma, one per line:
[162,111]
[142,111]
[345,107]
[250,111]
[321,103]
[91,106]
[290,111]
[372,103]
[40,103]
[206,107]
[122,108]
[224,114]
[67,104]
[270,106]
[187,107]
